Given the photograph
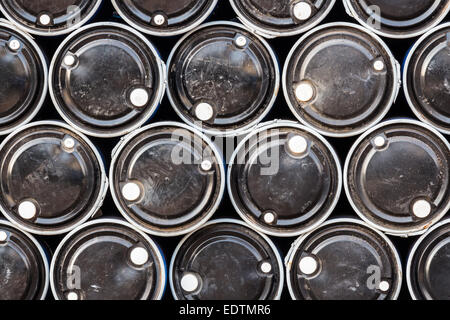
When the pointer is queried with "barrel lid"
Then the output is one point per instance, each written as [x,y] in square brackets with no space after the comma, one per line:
[400,18]
[106,79]
[164,18]
[284,179]
[278,18]
[428,264]
[23,77]
[24,270]
[426,75]
[222,78]
[167,179]
[226,260]
[52,178]
[396,177]
[340,79]
[107,259]
[344,259]
[49,17]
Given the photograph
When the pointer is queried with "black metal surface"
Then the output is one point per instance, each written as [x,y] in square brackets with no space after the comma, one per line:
[64,185]
[101,253]
[350,94]
[63,13]
[176,195]
[227,258]
[23,274]
[279,111]
[23,79]
[179,15]
[300,190]
[427,77]
[385,181]
[430,264]
[110,63]
[238,82]
[346,253]
[400,17]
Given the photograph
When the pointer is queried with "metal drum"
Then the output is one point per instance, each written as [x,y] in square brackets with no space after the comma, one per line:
[396,177]
[426,78]
[23,78]
[281,18]
[53,178]
[344,259]
[24,271]
[226,260]
[107,259]
[340,79]
[222,79]
[399,18]
[167,179]
[164,17]
[49,17]
[106,79]
[284,179]
[428,264]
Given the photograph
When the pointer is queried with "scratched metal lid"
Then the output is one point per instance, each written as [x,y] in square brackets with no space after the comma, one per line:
[340,79]
[167,178]
[23,77]
[106,79]
[162,17]
[107,259]
[428,264]
[222,79]
[53,178]
[426,78]
[49,17]
[399,18]
[344,259]
[284,179]
[281,18]
[226,260]
[23,265]
[396,177]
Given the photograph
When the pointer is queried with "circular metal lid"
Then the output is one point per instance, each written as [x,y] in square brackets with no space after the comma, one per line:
[49,17]
[106,79]
[23,77]
[23,265]
[279,18]
[340,79]
[222,78]
[162,17]
[399,18]
[167,179]
[52,178]
[396,177]
[107,259]
[428,264]
[426,78]
[226,260]
[284,179]
[344,260]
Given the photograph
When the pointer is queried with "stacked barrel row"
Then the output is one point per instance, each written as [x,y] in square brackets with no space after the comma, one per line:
[232,146]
